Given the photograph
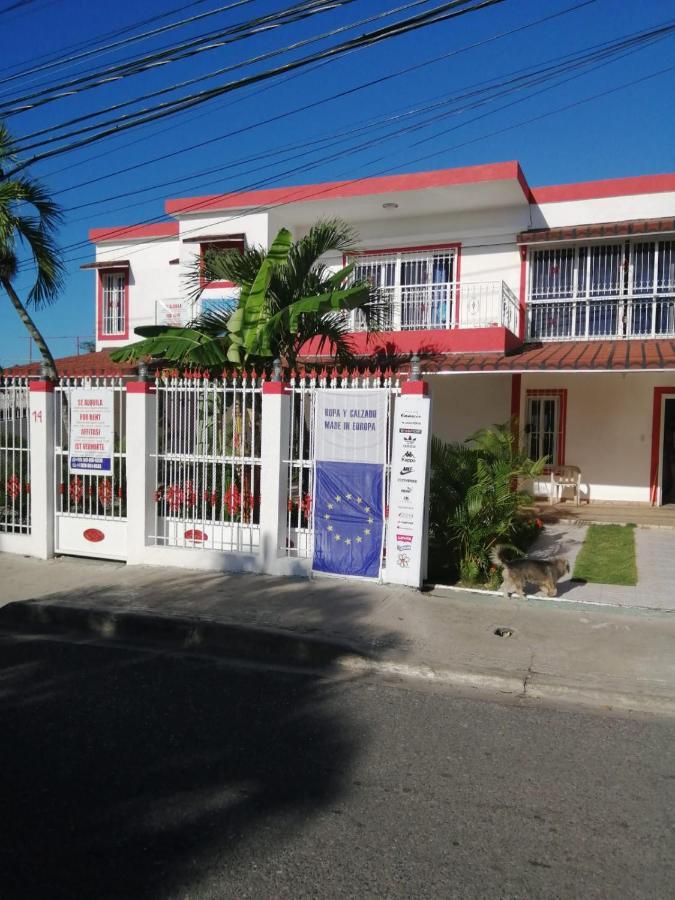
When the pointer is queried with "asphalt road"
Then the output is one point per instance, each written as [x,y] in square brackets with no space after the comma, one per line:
[126,773]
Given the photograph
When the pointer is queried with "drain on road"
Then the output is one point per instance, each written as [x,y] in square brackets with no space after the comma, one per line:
[503,632]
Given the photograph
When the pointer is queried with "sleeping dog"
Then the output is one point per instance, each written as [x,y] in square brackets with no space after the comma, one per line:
[543,573]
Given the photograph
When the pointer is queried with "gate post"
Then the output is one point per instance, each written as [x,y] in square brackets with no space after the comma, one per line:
[41,425]
[141,434]
[408,520]
[276,415]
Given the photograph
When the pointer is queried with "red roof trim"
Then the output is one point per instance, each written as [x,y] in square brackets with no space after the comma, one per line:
[134,232]
[505,171]
[611,187]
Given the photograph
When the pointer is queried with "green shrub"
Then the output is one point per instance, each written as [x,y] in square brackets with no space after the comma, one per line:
[475,504]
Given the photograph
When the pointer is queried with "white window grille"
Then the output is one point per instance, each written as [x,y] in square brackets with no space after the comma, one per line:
[620,289]
[418,287]
[113,312]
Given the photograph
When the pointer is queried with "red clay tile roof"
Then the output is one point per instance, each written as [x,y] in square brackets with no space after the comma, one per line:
[563,356]
[98,363]
[603,229]
[550,357]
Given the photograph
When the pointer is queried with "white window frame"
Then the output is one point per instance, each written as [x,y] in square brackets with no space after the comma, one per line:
[113,303]
[423,304]
[542,432]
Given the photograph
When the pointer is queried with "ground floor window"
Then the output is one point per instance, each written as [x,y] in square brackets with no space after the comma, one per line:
[545,415]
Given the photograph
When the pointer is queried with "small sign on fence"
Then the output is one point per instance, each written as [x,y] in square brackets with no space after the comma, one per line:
[406,530]
[92,432]
[350,449]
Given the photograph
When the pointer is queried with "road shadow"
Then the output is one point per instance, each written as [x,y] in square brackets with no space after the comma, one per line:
[130,773]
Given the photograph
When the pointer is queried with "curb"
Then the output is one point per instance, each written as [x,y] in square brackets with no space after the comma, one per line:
[178,633]
[527,687]
[284,648]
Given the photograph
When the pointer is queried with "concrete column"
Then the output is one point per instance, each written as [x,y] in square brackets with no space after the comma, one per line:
[141,434]
[42,488]
[276,416]
[408,521]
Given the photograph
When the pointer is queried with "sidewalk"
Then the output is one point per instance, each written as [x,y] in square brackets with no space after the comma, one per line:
[655,558]
[611,657]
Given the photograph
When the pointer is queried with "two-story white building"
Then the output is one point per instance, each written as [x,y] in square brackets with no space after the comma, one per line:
[553,304]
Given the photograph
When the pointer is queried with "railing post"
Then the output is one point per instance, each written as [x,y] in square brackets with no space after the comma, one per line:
[141,437]
[41,426]
[276,416]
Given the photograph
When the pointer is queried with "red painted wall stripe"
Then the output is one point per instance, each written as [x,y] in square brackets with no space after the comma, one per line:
[506,171]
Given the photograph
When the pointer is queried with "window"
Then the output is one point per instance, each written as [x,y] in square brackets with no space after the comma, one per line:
[234,243]
[613,289]
[113,304]
[545,425]
[418,286]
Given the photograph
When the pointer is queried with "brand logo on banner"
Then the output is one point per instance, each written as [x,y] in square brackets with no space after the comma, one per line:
[91,430]
[407,501]
[349,447]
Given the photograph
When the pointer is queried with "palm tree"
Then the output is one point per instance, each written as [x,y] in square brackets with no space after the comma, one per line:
[287,298]
[28,217]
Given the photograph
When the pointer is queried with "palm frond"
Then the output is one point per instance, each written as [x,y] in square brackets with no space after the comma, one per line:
[179,345]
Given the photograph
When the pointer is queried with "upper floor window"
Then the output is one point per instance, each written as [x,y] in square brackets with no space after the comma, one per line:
[612,289]
[113,309]
[418,286]
[234,243]
[603,270]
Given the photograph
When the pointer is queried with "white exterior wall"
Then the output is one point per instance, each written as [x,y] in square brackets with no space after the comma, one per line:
[604,209]
[609,428]
[461,404]
[151,278]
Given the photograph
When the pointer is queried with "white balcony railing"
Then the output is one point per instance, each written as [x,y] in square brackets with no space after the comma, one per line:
[598,318]
[478,304]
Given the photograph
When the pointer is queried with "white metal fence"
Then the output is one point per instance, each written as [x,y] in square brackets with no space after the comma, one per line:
[100,495]
[300,459]
[14,456]
[208,463]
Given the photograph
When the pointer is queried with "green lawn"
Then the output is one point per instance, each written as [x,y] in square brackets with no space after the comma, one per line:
[608,555]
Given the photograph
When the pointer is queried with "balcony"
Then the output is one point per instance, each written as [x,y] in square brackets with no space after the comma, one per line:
[466,304]
[480,316]
[635,315]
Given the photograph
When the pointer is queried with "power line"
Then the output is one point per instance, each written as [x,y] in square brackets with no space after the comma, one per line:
[208,41]
[439,14]
[301,190]
[362,86]
[502,85]
[132,39]
[167,90]
[37,61]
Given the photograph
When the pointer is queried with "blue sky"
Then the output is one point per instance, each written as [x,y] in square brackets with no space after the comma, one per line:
[625,132]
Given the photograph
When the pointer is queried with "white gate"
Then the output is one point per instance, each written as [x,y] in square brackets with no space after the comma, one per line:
[300,459]
[207,491]
[14,456]
[91,507]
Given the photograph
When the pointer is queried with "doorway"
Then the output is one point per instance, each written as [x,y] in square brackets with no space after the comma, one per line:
[668,453]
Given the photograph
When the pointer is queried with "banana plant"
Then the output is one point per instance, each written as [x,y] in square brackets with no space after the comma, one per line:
[287,298]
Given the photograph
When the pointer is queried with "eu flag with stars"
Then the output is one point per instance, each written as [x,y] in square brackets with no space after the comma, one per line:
[348,518]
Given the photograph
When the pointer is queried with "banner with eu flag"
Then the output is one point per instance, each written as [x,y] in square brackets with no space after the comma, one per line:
[349,450]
